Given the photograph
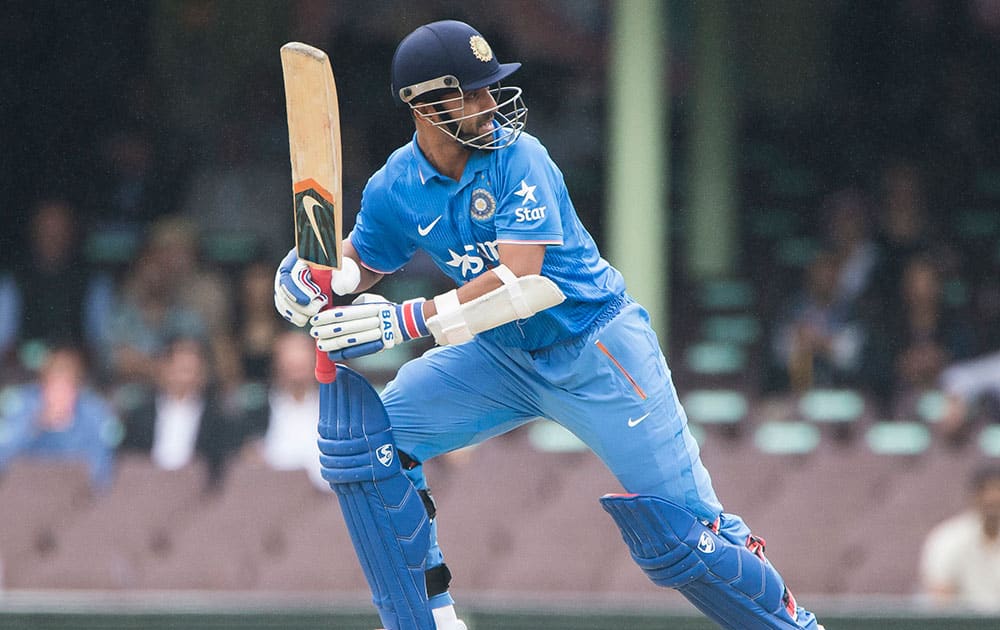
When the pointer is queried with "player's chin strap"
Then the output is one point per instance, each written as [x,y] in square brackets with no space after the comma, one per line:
[730,582]
[518,298]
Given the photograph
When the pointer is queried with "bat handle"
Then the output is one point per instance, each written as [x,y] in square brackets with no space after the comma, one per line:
[326,370]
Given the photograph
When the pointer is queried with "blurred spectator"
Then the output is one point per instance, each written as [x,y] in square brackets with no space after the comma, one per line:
[259,325]
[853,249]
[148,317]
[169,294]
[130,186]
[187,417]
[818,337]
[905,230]
[973,394]
[292,413]
[60,417]
[960,560]
[909,347]
[52,297]
[242,193]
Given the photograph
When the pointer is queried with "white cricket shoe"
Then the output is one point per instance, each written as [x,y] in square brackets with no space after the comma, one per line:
[446,619]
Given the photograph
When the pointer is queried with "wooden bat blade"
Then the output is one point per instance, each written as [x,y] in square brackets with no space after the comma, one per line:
[314,147]
[315,151]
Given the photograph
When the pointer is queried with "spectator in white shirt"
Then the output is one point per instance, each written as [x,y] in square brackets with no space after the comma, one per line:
[960,562]
[187,417]
[290,433]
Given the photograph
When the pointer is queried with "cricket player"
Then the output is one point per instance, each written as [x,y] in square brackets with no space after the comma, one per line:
[539,325]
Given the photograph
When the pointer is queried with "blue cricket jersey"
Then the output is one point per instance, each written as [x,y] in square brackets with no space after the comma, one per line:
[512,195]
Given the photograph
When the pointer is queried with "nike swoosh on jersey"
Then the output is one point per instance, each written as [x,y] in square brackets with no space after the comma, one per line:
[424,231]
[632,423]
[309,205]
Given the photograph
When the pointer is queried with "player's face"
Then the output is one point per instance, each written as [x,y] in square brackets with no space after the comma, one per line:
[478,107]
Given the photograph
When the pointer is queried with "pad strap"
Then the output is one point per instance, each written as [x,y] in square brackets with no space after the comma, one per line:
[451,320]
[517,299]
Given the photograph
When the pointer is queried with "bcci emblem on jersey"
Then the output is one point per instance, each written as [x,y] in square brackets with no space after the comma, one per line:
[483,205]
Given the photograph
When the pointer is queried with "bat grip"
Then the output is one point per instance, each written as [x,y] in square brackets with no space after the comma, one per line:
[326,370]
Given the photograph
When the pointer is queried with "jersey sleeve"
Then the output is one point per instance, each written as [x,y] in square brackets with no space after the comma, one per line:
[376,236]
[529,208]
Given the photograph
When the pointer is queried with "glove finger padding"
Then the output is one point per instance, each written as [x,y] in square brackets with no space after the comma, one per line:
[341,342]
[296,296]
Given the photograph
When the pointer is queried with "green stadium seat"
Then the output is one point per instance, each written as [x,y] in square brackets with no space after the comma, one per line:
[955,292]
[988,184]
[833,406]
[989,440]
[977,223]
[774,223]
[741,329]
[112,246]
[932,405]
[550,437]
[898,438]
[794,182]
[231,248]
[726,294]
[715,358]
[797,251]
[715,406]
[779,437]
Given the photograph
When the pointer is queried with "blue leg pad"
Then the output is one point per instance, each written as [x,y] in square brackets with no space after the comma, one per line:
[732,585]
[385,515]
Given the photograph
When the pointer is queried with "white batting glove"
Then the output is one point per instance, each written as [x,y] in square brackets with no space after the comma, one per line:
[368,325]
[296,296]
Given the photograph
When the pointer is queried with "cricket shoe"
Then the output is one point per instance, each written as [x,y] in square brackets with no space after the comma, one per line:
[446,619]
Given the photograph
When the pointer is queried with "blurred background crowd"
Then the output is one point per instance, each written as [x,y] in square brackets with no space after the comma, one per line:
[146,203]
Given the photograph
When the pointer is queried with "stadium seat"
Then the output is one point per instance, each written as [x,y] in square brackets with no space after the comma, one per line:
[550,437]
[316,554]
[837,411]
[905,438]
[713,358]
[222,544]
[989,441]
[101,548]
[726,294]
[742,329]
[716,411]
[715,406]
[776,437]
[38,497]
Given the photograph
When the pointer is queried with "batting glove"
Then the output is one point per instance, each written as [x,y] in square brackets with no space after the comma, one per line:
[296,296]
[368,325]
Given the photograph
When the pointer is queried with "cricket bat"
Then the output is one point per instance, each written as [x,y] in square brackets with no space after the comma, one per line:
[314,148]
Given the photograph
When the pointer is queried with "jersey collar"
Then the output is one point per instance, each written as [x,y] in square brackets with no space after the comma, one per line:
[478,161]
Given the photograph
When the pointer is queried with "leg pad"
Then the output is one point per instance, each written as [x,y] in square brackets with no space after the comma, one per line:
[385,514]
[731,584]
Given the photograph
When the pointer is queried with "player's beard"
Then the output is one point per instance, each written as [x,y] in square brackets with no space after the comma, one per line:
[475,128]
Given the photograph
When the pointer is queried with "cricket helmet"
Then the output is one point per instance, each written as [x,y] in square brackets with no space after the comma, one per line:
[448,56]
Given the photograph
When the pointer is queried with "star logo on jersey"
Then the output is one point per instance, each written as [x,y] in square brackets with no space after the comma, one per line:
[526,193]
